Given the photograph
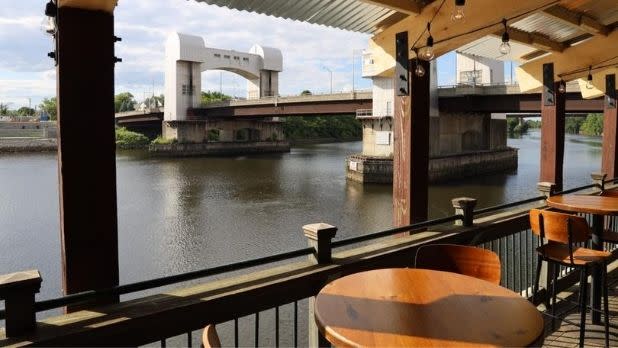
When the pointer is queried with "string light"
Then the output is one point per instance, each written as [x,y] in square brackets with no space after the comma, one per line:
[562,86]
[428,53]
[418,70]
[505,47]
[458,11]
[589,84]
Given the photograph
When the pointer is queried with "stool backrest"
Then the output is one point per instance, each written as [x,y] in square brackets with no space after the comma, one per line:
[559,227]
[210,338]
[466,260]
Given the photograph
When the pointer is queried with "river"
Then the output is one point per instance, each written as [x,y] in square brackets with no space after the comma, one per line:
[177,215]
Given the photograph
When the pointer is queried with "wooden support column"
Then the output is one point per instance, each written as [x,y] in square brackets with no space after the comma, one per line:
[411,138]
[552,129]
[87,150]
[610,129]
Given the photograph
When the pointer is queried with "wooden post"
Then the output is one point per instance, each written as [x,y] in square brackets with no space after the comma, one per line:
[464,206]
[87,150]
[552,129]
[610,129]
[17,290]
[319,236]
[599,180]
[411,139]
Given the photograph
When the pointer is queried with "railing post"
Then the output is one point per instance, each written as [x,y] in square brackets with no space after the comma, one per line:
[319,237]
[464,206]
[599,179]
[17,290]
[546,188]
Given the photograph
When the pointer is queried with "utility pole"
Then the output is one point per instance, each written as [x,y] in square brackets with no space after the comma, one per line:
[331,78]
[221,82]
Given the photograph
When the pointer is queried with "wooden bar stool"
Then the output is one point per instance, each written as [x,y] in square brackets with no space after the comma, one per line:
[609,234]
[562,232]
[210,338]
[471,261]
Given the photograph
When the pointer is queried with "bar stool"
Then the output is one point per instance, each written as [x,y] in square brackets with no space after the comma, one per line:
[210,338]
[562,231]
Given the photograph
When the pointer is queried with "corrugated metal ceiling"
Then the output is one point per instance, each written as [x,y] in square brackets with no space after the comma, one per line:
[350,15]
[548,26]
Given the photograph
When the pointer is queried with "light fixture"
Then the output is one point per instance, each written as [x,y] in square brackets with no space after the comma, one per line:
[562,86]
[428,53]
[505,47]
[458,11]
[589,84]
[51,10]
[418,69]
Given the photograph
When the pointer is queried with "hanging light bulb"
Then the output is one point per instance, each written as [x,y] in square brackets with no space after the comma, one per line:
[562,86]
[505,46]
[419,70]
[458,11]
[428,53]
[589,84]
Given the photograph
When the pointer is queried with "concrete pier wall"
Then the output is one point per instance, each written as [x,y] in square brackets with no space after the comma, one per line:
[366,169]
[219,148]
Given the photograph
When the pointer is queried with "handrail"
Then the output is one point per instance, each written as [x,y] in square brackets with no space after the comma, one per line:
[508,205]
[575,189]
[89,295]
[396,230]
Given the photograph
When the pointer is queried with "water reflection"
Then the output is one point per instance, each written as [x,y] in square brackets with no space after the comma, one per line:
[177,215]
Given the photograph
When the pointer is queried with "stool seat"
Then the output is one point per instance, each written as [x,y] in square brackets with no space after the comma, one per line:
[581,256]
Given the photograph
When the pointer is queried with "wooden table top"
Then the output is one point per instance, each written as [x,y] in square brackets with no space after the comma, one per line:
[601,205]
[417,307]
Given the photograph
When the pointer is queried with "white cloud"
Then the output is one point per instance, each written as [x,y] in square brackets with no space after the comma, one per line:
[144,26]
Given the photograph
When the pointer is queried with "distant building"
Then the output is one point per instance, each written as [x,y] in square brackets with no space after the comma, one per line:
[476,70]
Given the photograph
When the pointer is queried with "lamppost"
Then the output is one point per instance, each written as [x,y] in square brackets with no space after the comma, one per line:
[331,78]
[354,52]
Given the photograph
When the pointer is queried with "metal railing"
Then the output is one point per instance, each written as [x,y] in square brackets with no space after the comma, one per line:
[261,321]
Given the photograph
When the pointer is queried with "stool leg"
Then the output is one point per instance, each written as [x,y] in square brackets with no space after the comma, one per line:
[606,305]
[535,286]
[554,281]
[583,287]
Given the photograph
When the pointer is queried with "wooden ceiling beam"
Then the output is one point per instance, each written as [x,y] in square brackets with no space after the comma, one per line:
[580,20]
[473,27]
[598,50]
[533,39]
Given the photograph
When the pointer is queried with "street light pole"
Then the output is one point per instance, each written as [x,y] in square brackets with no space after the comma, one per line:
[331,78]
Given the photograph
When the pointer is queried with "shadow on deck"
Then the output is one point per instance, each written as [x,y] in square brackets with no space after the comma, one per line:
[567,335]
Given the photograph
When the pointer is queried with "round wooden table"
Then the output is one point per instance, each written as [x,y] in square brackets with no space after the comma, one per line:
[417,307]
[598,206]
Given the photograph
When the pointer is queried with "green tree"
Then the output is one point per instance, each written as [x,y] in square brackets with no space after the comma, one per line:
[4,109]
[25,111]
[306,92]
[213,97]
[124,102]
[307,127]
[572,125]
[48,105]
[593,125]
[156,101]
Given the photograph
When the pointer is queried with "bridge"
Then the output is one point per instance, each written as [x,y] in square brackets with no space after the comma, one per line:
[488,98]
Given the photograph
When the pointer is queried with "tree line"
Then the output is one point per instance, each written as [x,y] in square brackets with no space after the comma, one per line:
[591,124]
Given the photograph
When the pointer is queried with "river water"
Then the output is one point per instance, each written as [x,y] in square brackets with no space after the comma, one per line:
[177,215]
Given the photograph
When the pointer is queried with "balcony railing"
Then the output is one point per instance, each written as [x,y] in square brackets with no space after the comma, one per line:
[267,301]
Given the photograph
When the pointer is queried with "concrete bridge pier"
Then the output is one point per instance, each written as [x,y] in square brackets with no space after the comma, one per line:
[222,137]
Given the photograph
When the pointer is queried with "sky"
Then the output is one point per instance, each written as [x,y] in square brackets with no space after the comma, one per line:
[27,75]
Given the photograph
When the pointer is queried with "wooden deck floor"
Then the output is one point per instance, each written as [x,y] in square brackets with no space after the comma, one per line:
[567,335]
